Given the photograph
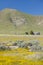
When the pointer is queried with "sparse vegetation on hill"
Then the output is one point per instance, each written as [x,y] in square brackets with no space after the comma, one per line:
[16,22]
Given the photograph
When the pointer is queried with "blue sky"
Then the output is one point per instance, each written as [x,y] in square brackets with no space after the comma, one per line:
[34,7]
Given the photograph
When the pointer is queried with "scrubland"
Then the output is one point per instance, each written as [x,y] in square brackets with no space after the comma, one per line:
[20,56]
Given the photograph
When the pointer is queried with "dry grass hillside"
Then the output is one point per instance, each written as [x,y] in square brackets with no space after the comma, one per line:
[16,22]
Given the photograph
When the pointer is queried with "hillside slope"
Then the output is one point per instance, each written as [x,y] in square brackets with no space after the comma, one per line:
[15,22]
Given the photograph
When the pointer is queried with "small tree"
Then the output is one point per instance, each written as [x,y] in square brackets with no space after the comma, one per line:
[26,33]
[31,32]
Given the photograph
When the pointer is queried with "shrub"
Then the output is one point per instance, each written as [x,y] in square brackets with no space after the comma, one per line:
[31,32]
[3,48]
